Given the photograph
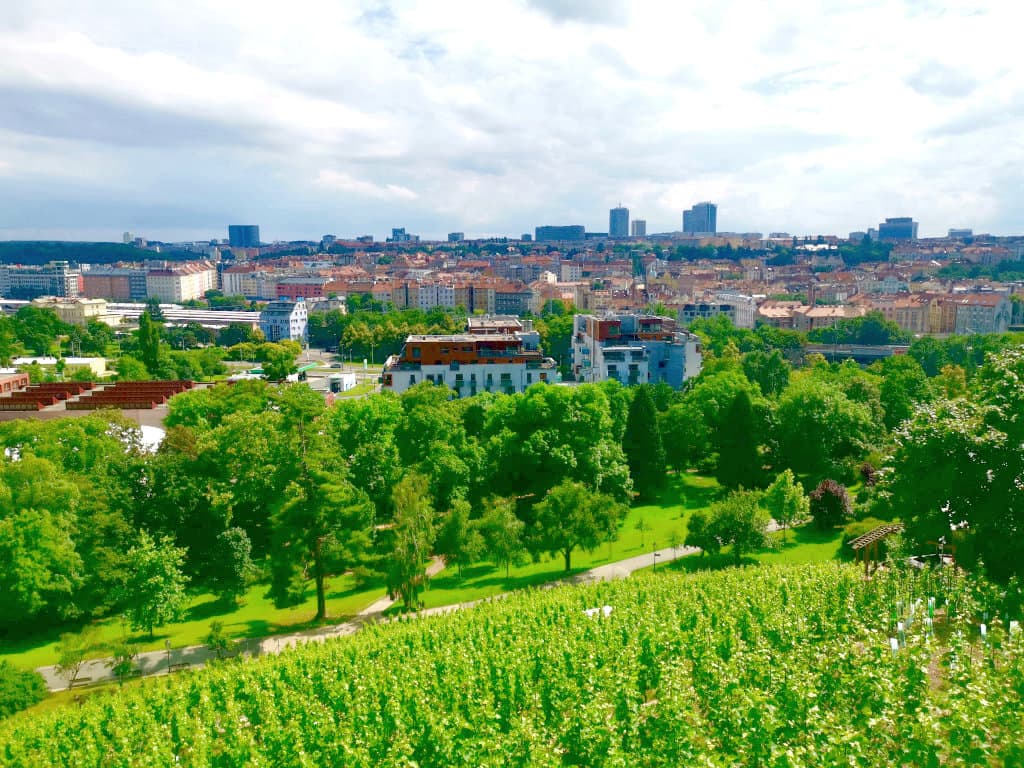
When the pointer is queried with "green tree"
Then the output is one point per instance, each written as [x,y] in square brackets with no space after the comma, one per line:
[122,660]
[642,445]
[131,369]
[903,386]
[19,689]
[323,526]
[149,343]
[700,533]
[502,534]
[818,427]
[572,516]
[40,571]
[414,532]
[278,362]
[739,460]
[737,521]
[458,540]
[155,591]
[153,309]
[769,370]
[231,566]
[73,649]
[238,333]
[786,501]
[957,467]
[830,504]
[217,641]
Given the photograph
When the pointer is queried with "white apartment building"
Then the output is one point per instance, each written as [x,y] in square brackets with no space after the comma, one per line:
[181,282]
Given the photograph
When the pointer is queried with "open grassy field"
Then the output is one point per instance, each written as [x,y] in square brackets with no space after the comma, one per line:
[254,616]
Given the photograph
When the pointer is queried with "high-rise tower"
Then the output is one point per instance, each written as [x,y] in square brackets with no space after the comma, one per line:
[618,222]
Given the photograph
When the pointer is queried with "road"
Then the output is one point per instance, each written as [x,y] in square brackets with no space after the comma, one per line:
[156,662]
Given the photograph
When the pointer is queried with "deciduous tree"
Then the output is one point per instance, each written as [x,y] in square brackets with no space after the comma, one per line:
[572,516]
[155,591]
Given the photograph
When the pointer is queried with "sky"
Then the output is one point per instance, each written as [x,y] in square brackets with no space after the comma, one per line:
[174,118]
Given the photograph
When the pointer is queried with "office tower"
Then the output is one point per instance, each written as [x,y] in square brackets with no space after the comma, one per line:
[567,232]
[900,228]
[702,219]
[638,228]
[618,222]
[456,237]
[244,236]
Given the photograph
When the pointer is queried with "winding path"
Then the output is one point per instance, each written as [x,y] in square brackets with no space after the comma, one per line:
[153,663]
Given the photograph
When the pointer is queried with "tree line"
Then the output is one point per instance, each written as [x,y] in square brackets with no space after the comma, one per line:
[259,482]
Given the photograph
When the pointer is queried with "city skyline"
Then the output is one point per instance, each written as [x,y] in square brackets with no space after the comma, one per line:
[826,119]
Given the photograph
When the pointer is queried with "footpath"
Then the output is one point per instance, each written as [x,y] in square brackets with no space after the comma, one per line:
[153,663]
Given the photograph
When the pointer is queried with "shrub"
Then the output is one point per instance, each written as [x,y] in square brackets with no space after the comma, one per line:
[19,690]
[830,504]
[868,474]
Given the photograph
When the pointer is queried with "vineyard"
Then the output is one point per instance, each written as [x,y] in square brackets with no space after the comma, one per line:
[798,666]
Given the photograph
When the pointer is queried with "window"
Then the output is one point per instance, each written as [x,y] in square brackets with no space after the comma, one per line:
[416,352]
[412,379]
[529,378]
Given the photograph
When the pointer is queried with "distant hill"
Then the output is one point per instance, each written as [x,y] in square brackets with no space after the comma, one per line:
[43,251]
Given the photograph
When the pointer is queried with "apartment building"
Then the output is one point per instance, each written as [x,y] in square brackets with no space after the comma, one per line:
[634,349]
[114,283]
[468,364]
[175,283]
[284,320]
[58,278]
[249,281]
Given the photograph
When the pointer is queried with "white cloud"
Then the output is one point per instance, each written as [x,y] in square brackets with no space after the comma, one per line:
[503,115]
[344,182]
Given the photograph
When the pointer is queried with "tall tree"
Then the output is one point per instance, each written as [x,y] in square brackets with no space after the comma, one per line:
[642,444]
[818,428]
[502,534]
[155,590]
[149,343]
[739,460]
[323,526]
[458,540]
[414,532]
[232,565]
[572,516]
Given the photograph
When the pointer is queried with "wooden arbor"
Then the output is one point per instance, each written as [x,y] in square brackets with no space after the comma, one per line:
[866,547]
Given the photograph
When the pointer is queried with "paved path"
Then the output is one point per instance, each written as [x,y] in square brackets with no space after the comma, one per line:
[156,662]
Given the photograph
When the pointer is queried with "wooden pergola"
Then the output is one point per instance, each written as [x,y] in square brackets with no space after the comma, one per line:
[866,546]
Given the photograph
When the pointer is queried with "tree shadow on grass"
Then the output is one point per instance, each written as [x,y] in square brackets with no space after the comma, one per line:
[208,609]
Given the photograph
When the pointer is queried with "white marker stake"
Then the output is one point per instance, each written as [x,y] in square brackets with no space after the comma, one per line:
[894,644]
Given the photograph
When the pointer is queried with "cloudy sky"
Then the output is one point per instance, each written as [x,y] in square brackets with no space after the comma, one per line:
[173,118]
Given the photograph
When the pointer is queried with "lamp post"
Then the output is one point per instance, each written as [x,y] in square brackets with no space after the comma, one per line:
[657,554]
[167,645]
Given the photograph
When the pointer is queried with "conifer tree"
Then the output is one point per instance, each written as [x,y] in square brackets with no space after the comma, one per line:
[642,444]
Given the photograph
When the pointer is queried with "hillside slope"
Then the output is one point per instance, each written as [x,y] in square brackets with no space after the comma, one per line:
[768,666]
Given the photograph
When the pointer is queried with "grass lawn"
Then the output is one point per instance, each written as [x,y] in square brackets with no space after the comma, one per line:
[804,544]
[255,616]
[361,388]
[662,518]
